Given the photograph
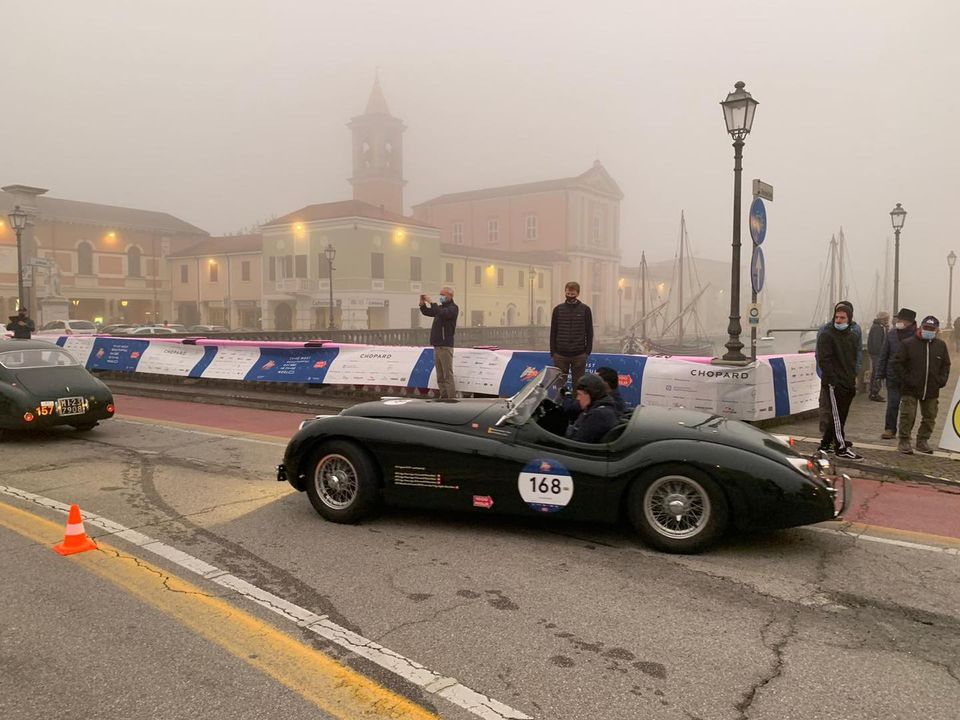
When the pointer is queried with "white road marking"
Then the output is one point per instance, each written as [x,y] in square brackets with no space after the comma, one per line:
[278,443]
[431,682]
[887,541]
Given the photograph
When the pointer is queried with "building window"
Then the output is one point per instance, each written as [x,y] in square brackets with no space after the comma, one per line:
[288,266]
[214,271]
[245,270]
[500,277]
[415,269]
[448,277]
[301,266]
[376,266]
[493,231]
[272,268]
[522,279]
[184,274]
[628,294]
[540,281]
[457,234]
[477,274]
[133,262]
[84,259]
[531,227]
[595,229]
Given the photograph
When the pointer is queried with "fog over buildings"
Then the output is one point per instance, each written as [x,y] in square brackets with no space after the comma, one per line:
[227,113]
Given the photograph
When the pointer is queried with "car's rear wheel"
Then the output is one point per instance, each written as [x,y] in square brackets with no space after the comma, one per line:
[343,483]
[678,509]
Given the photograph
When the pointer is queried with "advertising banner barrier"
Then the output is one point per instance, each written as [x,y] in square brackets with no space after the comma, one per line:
[774,386]
[950,439]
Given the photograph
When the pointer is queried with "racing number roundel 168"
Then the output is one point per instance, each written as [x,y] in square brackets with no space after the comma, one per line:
[545,485]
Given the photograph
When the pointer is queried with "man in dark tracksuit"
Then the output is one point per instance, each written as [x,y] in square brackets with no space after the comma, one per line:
[847,307]
[904,327]
[923,367]
[571,334]
[442,331]
[837,354]
[878,331]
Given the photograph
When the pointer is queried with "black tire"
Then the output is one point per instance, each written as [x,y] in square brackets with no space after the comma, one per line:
[343,482]
[86,427]
[677,509]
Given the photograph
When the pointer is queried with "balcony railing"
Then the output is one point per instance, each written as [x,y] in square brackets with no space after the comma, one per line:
[296,285]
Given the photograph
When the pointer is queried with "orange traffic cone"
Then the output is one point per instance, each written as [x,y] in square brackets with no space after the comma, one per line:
[75,540]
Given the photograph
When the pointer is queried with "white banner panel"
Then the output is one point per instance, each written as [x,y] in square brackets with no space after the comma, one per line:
[744,393]
[803,383]
[162,358]
[231,363]
[373,365]
[476,371]
[950,439]
[79,347]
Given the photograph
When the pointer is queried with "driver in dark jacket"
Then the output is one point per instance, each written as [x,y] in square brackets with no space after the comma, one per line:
[598,412]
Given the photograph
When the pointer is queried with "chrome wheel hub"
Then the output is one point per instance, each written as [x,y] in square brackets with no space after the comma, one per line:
[676,506]
[336,481]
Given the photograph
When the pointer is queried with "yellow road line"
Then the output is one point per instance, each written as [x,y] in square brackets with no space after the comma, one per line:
[318,678]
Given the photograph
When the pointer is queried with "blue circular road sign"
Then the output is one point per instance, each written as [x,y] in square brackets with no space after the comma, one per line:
[758,221]
[758,269]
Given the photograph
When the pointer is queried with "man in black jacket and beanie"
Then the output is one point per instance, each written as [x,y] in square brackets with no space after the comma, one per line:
[837,354]
[875,338]
[598,414]
[442,331]
[922,366]
[904,328]
[571,334]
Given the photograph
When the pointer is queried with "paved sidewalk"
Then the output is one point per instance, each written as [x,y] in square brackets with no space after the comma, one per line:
[864,425]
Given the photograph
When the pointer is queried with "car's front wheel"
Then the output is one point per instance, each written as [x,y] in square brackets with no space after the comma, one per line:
[678,509]
[343,482]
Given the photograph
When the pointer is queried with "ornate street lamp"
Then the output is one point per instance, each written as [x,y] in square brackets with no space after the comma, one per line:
[330,252]
[951,261]
[532,274]
[897,216]
[738,112]
[18,221]
[620,306]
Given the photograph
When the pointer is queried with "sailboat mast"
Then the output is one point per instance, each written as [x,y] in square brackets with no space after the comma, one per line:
[683,232]
[643,293]
[840,252]
[833,272]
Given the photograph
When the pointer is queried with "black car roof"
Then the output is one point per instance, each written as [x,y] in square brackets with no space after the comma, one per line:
[6,345]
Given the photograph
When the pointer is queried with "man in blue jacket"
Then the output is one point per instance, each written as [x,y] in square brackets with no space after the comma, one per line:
[444,314]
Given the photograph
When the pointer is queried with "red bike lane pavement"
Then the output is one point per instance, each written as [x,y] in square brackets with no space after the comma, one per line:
[924,509]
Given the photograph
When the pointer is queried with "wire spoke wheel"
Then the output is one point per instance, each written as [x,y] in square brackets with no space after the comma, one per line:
[677,506]
[336,481]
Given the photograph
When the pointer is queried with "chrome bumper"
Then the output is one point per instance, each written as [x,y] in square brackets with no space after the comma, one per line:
[846,488]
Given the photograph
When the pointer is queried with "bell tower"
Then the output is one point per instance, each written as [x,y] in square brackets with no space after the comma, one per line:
[378,154]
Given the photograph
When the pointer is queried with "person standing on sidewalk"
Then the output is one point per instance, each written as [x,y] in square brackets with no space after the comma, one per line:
[923,365]
[837,353]
[21,325]
[826,413]
[878,331]
[571,334]
[904,328]
[444,326]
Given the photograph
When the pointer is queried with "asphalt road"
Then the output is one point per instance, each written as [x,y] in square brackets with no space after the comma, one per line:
[548,620]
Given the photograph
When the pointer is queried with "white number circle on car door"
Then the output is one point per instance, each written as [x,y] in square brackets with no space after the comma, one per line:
[545,485]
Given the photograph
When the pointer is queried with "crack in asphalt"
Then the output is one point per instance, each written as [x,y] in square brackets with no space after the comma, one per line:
[423,621]
[164,577]
[777,647]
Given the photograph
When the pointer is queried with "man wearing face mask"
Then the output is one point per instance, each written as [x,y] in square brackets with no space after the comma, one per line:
[825,408]
[837,354]
[444,326]
[923,365]
[904,327]
[571,334]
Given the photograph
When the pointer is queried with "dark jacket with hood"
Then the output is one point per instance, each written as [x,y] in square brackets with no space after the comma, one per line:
[594,422]
[922,366]
[875,338]
[837,355]
[854,328]
[444,322]
[891,346]
[571,329]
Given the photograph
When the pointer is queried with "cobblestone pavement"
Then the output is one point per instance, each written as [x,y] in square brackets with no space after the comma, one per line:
[864,425]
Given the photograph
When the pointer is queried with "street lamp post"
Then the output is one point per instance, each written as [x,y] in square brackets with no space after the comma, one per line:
[18,221]
[951,261]
[330,252]
[738,112]
[620,306]
[897,217]
[532,275]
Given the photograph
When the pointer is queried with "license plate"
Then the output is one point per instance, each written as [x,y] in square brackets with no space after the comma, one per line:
[71,406]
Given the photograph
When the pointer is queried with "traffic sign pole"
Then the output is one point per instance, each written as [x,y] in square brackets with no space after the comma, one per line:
[758,231]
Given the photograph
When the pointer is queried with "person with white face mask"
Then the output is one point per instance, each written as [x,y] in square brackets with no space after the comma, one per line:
[442,331]
[922,365]
[904,327]
[837,353]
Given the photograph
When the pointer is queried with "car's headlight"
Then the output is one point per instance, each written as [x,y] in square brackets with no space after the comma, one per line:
[309,421]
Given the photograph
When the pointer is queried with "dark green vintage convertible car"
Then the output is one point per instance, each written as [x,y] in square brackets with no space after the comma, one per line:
[42,385]
[681,477]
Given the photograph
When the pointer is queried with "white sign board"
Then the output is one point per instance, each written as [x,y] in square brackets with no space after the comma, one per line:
[950,440]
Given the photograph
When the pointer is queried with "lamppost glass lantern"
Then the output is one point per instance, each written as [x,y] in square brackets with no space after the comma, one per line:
[897,217]
[951,259]
[738,111]
[18,219]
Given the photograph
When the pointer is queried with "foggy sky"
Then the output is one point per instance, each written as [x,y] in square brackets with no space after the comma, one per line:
[225,112]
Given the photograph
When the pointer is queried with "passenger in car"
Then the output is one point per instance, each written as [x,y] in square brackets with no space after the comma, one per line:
[612,379]
[598,411]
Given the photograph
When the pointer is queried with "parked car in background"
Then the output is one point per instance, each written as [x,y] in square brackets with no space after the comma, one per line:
[42,385]
[150,330]
[116,328]
[67,327]
[176,327]
[208,329]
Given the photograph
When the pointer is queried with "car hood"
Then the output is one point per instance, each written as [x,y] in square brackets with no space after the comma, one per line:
[57,382]
[443,412]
